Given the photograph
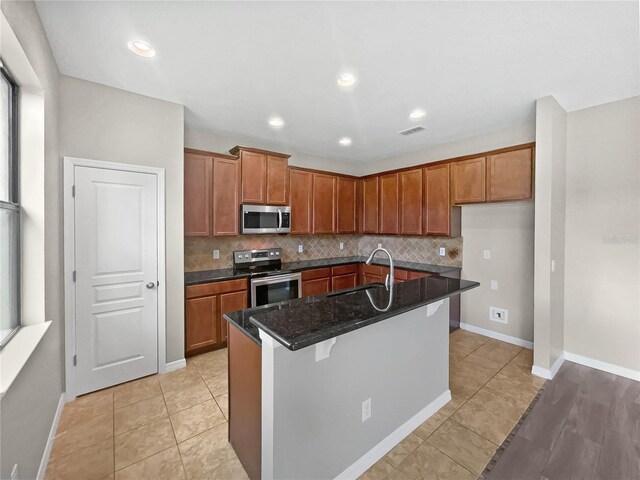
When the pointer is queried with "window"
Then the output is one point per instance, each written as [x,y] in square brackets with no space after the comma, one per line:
[9,208]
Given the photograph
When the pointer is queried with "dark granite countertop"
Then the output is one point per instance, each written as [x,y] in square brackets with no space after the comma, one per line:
[207,276]
[306,321]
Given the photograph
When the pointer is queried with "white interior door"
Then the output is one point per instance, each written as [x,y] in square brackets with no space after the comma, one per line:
[116,264]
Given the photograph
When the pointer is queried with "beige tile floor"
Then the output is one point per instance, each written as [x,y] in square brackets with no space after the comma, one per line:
[174,426]
[170,426]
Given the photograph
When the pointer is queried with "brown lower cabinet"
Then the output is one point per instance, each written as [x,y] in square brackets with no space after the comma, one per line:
[205,305]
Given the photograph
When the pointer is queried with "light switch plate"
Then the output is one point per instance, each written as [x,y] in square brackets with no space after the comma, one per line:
[494,284]
[341,245]
[216,254]
[487,254]
[300,248]
[443,251]
[366,409]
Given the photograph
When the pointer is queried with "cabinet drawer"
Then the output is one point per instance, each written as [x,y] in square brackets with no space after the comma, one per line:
[215,288]
[316,273]
[345,269]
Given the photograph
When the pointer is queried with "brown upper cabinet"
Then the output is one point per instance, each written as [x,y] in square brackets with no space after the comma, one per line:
[440,218]
[468,180]
[324,201]
[369,210]
[263,176]
[411,202]
[226,187]
[301,191]
[389,204]
[197,194]
[346,205]
[510,176]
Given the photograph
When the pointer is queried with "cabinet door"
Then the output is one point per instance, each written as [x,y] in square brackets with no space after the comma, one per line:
[346,205]
[226,193]
[341,282]
[468,180]
[368,278]
[301,185]
[277,188]
[197,195]
[411,202]
[324,200]
[230,302]
[389,204]
[437,209]
[254,174]
[413,275]
[509,176]
[370,205]
[202,323]
[316,287]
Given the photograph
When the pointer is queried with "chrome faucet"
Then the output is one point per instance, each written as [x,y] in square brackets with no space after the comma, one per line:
[388,281]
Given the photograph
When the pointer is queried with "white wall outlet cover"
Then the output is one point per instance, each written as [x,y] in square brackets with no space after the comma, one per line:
[553,265]
[379,245]
[366,409]
[443,251]
[300,248]
[500,315]
[494,284]
[341,245]
[487,254]
[323,349]
[216,254]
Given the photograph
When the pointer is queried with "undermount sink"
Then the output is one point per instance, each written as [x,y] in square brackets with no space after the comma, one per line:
[355,289]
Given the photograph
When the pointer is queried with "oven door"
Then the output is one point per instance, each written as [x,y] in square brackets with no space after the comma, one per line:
[275,289]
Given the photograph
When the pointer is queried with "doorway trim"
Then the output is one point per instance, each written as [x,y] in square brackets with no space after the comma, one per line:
[69,264]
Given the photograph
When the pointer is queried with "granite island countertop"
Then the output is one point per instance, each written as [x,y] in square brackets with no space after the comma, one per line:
[306,321]
[207,276]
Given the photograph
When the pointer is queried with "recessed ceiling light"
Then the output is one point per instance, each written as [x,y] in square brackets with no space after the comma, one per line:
[276,122]
[346,80]
[417,114]
[141,48]
[345,141]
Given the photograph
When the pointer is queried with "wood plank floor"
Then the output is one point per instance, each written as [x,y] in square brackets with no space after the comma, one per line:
[585,425]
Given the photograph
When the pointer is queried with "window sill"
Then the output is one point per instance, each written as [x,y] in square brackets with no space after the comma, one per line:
[16,353]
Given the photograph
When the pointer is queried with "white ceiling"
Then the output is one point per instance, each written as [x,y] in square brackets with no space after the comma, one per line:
[474,67]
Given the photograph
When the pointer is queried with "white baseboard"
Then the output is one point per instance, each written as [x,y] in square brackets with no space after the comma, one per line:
[498,336]
[381,449]
[604,366]
[548,373]
[52,435]
[171,366]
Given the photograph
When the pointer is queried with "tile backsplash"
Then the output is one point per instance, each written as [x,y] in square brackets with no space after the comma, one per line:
[198,254]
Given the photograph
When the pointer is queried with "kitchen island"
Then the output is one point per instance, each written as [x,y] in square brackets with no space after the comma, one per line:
[322,387]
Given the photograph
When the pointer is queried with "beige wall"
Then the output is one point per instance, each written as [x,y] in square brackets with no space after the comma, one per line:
[28,407]
[103,123]
[506,229]
[602,302]
[221,143]
[551,126]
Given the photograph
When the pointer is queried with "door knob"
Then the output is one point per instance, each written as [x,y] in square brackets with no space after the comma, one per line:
[151,285]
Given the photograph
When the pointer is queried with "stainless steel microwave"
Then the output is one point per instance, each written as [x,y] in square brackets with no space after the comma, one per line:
[265,219]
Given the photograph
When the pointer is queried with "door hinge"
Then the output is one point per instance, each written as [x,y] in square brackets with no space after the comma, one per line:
[73,191]
[73,275]
[75,360]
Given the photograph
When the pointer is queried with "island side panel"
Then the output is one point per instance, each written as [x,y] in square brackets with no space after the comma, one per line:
[316,429]
[245,400]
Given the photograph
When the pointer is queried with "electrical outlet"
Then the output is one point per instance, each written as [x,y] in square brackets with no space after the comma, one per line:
[300,248]
[14,472]
[487,254]
[216,254]
[443,251]
[379,245]
[500,315]
[494,284]
[341,245]
[366,409]
[553,265]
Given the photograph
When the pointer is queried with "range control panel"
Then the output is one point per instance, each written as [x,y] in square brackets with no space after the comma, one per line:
[250,256]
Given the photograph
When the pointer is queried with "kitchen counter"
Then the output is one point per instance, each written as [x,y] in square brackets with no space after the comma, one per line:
[306,321]
[207,276]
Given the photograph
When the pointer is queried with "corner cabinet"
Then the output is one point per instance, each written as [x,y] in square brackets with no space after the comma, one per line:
[301,189]
[226,187]
[346,205]
[205,304]
[324,203]
[370,196]
[389,204]
[510,176]
[411,202]
[440,217]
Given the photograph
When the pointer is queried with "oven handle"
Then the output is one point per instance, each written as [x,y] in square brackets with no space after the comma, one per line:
[275,279]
